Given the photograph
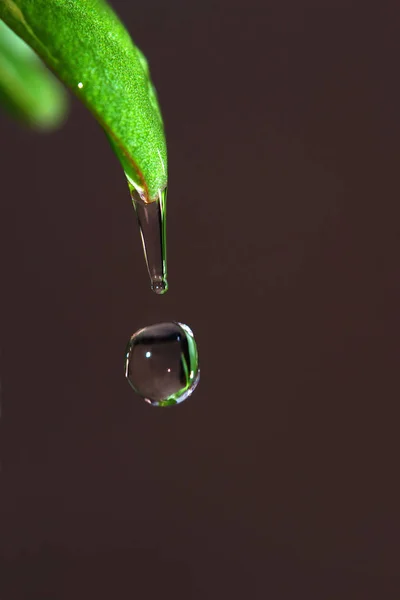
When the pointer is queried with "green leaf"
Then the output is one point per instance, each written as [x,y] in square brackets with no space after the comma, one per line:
[88,48]
[27,89]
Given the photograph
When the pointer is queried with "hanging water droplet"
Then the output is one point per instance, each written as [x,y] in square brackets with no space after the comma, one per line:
[152,223]
[162,363]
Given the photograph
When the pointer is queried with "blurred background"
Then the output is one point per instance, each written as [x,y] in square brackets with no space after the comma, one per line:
[278,477]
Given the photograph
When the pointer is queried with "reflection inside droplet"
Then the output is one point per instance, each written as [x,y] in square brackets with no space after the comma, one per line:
[161,363]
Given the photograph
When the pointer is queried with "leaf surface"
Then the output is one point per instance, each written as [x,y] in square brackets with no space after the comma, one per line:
[87,47]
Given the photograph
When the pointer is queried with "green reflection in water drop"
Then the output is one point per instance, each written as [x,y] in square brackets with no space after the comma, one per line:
[161,363]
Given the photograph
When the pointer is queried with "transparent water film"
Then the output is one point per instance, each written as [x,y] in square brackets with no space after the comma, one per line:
[152,223]
[162,363]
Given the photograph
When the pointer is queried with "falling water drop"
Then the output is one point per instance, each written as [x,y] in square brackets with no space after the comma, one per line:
[152,223]
[161,363]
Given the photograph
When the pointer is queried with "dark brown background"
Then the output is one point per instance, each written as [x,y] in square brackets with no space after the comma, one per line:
[279,477]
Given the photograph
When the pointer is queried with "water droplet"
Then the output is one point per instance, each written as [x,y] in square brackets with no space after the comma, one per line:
[152,223]
[161,363]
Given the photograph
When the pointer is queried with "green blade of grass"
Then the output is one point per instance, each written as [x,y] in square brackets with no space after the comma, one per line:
[87,47]
[28,90]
